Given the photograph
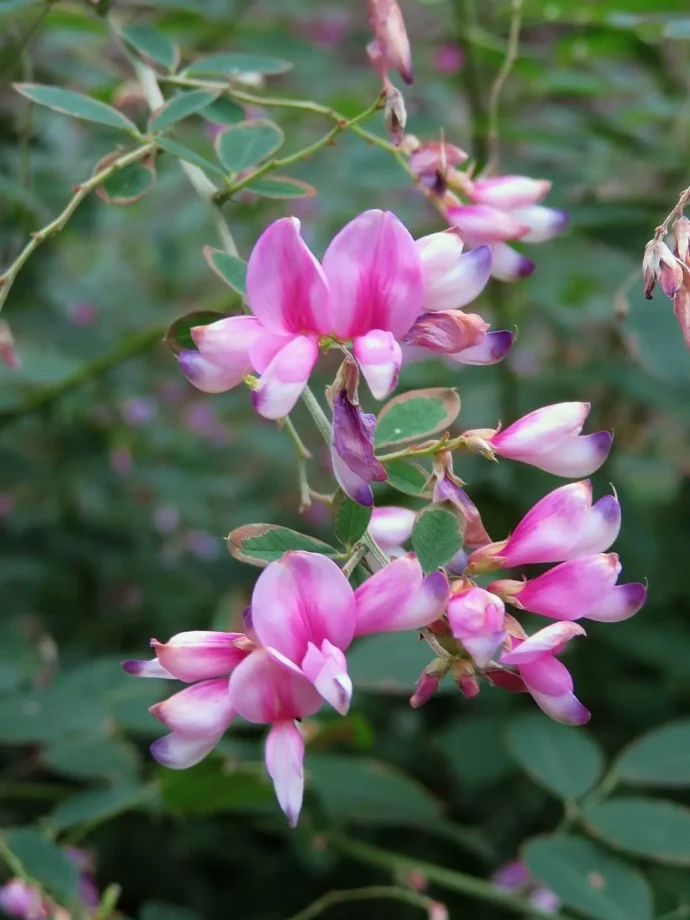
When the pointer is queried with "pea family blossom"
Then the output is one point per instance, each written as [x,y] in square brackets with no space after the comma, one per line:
[375,288]
[290,659]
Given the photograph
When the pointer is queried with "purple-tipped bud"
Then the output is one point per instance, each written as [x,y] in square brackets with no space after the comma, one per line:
[659,264]
[428,683]
[388,26]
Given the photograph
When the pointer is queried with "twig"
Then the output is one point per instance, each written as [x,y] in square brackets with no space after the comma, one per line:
[512,51]
[372,892]
[683,199]
[303,455]
[359,553]
[81,192]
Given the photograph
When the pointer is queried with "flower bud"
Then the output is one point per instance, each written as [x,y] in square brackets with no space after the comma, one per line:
[428,682]
[388,26]
[659,264]
[681,234]
[394,113]
[681,309]
[8,353]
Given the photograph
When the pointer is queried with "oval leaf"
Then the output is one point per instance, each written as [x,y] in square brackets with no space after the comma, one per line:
[409,478]
[476,750]
[390,663]
[646,827]
[415,415]
[659,758]
[223,112]
[152,44]
[563,759]
[587,878]
[210,788]
[189,156]
[281,187]
[437,535]
[45,862]
[127,185]
[259,544]
[178,337]
[179,107]
[79,106]
[247,143]
[350,520]
[98,805]
[231,269]
[231,64]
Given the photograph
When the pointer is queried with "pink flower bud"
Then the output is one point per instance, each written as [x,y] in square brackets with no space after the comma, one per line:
[427,685]
[659,264]
[388,26]
[200,655]
[681,234]
[681,309]
[508,192]
[394,114]
[8,352]
[468,686]
[508,264]
[391,527]
[476,618]
[447,332]
[542,223]
[451,279]
[480,223]
[18,899]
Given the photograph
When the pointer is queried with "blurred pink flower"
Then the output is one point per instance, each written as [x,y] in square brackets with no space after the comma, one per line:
[448,58]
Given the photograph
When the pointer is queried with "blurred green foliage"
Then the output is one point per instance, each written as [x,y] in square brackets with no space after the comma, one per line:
[119,482]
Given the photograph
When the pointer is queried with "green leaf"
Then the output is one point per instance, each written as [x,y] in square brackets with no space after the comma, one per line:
[259,544]
[45,862]
[189,156]
[437,535]
[359,576]
[476,750]
[88,758]
[210,787]
[128,185]
[410,478]
[653,828]
[98,805]
[588,879]
[223,112]
[659,758]
[563,759]
[367,791]
[390,663]
[158,910]
[281,187]
[152,44]
[178,337]
[415,415]
[350,520]
[231,64]
[231,269]
[247,143]
[181,106]
[70,103]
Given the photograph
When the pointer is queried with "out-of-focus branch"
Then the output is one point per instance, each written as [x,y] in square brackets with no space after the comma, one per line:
[464,21]
[371,893]
[512,51]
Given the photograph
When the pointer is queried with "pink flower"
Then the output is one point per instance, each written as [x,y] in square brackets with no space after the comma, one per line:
[391,527]
[433,162]
[448,58]
[304,615]
[19,899]
[547,679]
[476,618]
[564,525]
[452,279]
[369,291]
[550,439]
[582,587]
[391,46]
[515,877]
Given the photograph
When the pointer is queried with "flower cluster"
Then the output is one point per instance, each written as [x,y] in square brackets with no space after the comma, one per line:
[20,899]
[672,271]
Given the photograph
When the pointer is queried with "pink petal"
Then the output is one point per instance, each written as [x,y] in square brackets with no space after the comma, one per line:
[508,264]
[566,709]
[482,224]
[547,641]
[177,752]
[491,350]
[388,26]
[284,756]
[226,343]
[326,668]
[286,287]
[547,675]
[207,377]
[543,223]
[375,276]
[379,357]
[451,279]
[541,431]
[398,597]
[391,526]
[576,456]
[570,590]
[285,377]
[475,613]
[303,598]
[509,191]
[353,486]
[263,689]
[198,711]
[447,331]
[447,489]
[601,528]
[621,603]
[264,349]
[551,529]
[151,668]
[200,654]
[483,648]
[352,434]
[512,876]
[506,680]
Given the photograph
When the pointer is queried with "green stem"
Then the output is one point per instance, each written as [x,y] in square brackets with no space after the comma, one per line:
[465,26]
[303,455]
[55,226]
[45,396]
[428,451]
[359,553]
[303,154]
[512,50]
[445,878]
[108,902]
[373,892]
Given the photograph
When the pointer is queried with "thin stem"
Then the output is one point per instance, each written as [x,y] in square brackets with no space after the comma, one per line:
[359,553]
[317,413]
[427,451]
[512,52]
[108,902]
[55,226]
[683,199]
[45,396]
[372,892]
[446,878]
[302,451]
[303,455]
